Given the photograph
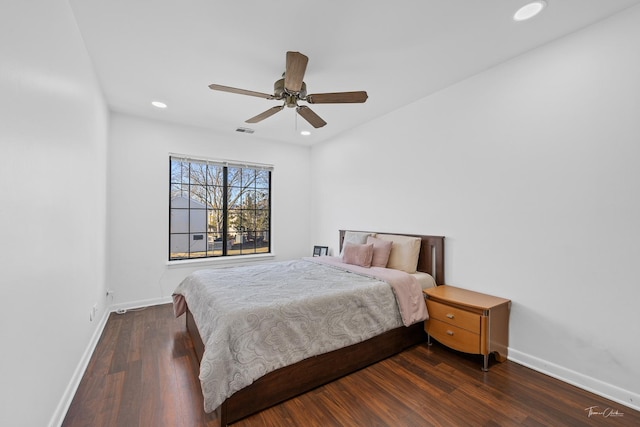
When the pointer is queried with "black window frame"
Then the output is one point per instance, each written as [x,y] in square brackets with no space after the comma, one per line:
[232,198]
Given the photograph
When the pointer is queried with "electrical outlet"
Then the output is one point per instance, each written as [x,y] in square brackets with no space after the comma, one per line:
[92,313]
[109,292]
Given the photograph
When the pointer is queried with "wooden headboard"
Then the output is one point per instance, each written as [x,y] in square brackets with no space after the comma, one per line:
[431,258]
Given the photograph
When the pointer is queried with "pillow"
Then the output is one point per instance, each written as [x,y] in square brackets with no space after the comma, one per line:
[357,254]
[381,251]
[404,252]
[358,237]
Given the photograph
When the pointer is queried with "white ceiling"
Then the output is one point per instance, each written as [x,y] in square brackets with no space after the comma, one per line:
[398,51]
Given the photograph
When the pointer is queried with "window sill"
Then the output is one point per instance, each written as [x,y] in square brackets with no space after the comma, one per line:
[220,261]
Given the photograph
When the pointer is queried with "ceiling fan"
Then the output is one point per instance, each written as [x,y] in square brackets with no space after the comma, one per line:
[291,89]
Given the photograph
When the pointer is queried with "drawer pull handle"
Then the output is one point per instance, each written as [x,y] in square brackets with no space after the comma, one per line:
[450,316]
[450,333]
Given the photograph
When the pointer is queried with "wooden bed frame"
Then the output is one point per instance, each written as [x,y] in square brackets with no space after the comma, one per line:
[290,381]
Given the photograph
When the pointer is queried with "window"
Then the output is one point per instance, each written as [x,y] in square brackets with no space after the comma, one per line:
[218,209]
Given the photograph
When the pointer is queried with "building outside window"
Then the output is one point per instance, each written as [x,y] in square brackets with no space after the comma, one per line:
[218,208]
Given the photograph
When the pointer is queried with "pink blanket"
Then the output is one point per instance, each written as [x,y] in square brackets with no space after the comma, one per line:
[179,305]
[405,287]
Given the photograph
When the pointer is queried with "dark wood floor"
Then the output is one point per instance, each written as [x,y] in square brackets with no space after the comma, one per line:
[144,373]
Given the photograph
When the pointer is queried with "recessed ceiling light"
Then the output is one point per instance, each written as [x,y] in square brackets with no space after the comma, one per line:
[529,10]
[305,133]
[159,104]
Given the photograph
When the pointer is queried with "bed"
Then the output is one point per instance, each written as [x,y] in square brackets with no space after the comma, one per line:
[379,339]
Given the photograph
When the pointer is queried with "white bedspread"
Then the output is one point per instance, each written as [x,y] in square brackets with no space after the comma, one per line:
[256,319]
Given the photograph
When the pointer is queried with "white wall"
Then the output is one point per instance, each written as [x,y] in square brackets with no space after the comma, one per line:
[53,125]
[138,201]
[531,171]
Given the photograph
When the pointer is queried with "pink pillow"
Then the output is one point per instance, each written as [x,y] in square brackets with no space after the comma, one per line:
[381,251]
[357,254]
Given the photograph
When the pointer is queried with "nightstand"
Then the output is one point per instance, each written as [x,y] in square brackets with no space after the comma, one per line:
[468,321]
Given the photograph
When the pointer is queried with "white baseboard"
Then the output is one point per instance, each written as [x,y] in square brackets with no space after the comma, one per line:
[590,384]
[63,406]
[139,304]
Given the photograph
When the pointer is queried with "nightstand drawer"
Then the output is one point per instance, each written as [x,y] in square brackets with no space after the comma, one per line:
[452,336]
[454,316]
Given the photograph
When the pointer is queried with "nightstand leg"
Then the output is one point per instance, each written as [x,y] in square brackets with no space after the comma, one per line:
[485,367]
[428,339]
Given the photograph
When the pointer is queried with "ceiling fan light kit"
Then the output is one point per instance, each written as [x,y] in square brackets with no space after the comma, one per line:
[291,89]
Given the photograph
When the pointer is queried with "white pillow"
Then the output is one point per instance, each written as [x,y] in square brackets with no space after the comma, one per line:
[357,237]
[405,251]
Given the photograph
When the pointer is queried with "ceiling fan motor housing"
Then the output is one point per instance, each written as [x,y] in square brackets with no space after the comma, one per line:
[280,92]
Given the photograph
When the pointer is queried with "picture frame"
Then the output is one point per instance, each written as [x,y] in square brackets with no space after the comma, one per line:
[320,250]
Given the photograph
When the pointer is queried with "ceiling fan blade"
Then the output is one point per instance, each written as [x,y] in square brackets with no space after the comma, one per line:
[241,91]
[337,97]
[260,117]
[294,73]
[308,114]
